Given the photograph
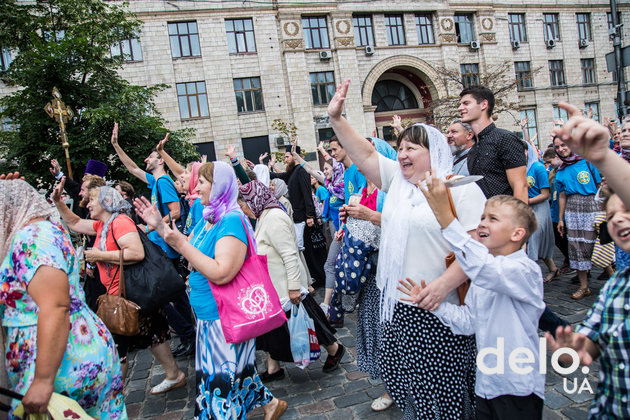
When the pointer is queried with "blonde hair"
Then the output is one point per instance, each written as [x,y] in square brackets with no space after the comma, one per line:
[524,215]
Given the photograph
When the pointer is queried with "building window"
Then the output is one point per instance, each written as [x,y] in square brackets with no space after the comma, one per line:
[184,39]
[391,95]
[315,32]
[5,58]
[424,24]
[524,77]
[595,106]
[583,26]
[560,114]
[193,100]
[516,23]
[322,87]
[464,28]
[129,49]
[240,35]
[610,22]
[531,127]
[395,30]
[470,74]
[588,70]
[5,122]
[363,32]
[248,94]
[556,73]
[551,26]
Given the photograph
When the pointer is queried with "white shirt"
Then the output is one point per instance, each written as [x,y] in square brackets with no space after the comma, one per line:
[505,300]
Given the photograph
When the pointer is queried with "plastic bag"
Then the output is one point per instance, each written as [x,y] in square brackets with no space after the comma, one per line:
[299,324]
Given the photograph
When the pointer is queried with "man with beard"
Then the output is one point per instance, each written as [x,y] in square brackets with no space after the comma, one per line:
[461,138]
[76,190]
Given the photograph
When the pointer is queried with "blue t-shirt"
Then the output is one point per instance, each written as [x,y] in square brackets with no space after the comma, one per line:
[201,298]
[194,215]
[322,194]
[168,194]
[578,179]
[537,179]
[353,182]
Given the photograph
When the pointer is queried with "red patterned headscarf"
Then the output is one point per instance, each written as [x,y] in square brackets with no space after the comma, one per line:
[258,197]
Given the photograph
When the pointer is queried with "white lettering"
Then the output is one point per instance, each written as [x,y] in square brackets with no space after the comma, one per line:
[574,364]
[566,389]
[499,369]
[514,360]
[585,385]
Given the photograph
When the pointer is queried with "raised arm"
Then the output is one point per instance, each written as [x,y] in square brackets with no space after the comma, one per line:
[125,159]
[362,153]
[175,167]
[311,171]
[240,172]
[74,222]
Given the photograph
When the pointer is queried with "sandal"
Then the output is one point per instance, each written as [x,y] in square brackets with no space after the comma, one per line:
[382,404]
[169,384]
[581,293]
[280,409]
[554,275]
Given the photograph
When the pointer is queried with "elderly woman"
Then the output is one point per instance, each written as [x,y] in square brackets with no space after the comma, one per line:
[227,381]
[428,371]
[54,342]
[114,232]
[275,237]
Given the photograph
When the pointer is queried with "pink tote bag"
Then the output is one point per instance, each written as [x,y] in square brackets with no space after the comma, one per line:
[249,305]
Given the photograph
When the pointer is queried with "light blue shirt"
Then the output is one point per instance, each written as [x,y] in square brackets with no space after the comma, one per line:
[461,167]
[505,301]
[168,194]
[353,182]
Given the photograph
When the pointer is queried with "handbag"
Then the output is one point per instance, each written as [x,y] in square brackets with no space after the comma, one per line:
[121,316]
[154,281]
[462,289]
[248,305]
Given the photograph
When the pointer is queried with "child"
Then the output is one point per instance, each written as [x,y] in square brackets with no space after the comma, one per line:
[503,304]
[606,330]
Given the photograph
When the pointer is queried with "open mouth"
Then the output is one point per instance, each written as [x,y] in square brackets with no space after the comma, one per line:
[406,165]
[483,235]
[624,234]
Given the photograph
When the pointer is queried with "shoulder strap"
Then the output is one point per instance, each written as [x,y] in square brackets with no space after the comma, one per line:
[159,197]
[459,159]
[250,241]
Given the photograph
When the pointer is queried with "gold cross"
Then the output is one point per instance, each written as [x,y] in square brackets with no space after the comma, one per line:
[62,114]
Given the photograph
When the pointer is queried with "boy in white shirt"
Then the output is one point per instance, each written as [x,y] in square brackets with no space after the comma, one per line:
[503,304]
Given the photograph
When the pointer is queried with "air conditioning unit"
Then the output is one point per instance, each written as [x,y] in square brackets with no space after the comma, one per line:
[281,141]
[325,55]
[583,43]
[474,45]
[550,43]
[369,50]
[516,45]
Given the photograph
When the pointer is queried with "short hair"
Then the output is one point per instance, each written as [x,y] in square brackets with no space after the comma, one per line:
[466,126]
[91,182]
[524,215]
[207,171]
[550,153]
[480,93]
[251,175]
[127,188]
[415,134]
[156,151]
[335,139]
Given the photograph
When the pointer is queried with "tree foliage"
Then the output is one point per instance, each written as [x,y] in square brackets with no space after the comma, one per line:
[66,44]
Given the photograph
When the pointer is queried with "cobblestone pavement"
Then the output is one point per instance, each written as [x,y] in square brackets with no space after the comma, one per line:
[347,393]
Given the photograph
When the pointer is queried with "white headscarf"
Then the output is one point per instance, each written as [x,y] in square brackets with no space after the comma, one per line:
[112,202]
[262,174]
[402,196]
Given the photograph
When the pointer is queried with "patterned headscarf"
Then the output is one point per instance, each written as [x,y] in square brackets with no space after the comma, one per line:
[281,188]
[569,160]
[335,185]
[192,183]
[224,193]
[258,197]
[112,202]
[19,203]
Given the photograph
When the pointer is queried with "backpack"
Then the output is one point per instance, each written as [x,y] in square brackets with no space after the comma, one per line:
[184,209]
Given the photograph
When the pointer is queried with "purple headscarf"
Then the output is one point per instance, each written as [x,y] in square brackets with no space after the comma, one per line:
[224,194]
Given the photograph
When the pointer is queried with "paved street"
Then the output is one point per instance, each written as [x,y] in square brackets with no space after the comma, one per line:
[347,393]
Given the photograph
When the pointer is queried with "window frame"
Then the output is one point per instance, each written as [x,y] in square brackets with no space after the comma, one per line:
[584,26]
[528,113]
[556,74]
[469,76]
[196,95]
[365,30]
[425,28]
[309,31]
[559,113]
[399,27]
[610,22]
[234,33]
[328,85]
[523,76]
[517,27]
[5,58]
[251,92]
[588,72]
[595,105]
[553,25]
[188,36]
[120,50]
[470,22]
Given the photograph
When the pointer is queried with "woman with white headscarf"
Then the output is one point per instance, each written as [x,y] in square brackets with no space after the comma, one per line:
[54,342]
[427,370]
[115,231]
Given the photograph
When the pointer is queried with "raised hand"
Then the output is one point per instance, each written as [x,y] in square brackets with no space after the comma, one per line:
[56,194]
[149,213]
[437,197]
[10,176]
[249,164]
[114,139]
[294,147]
[262,157]
[161,143]
[523,123]
[230,152]
[591,112]
[54,167]
[335,106]
[565,337]
[172,235]
[204,159]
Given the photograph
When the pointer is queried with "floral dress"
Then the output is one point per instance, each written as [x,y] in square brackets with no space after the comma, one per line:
[90,371]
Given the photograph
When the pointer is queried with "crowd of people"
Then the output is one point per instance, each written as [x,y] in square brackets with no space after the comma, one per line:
[438,266]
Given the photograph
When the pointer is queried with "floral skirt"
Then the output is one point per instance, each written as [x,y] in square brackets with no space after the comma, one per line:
[228,385]
[90,371]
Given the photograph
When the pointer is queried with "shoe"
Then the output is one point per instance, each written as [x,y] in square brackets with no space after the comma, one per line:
[168,384]
[270,377]
[381,404]
[332,362]
[554,275]
[280,409]
[566,270]
[581,293]
[184,349]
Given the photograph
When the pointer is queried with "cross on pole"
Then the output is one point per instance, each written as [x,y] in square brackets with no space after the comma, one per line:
[61,113]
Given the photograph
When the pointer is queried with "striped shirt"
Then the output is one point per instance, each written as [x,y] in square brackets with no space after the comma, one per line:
[608,325]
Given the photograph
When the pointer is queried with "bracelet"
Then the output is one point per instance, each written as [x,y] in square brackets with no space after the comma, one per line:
[59,175]
[147,228]
[302,164]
